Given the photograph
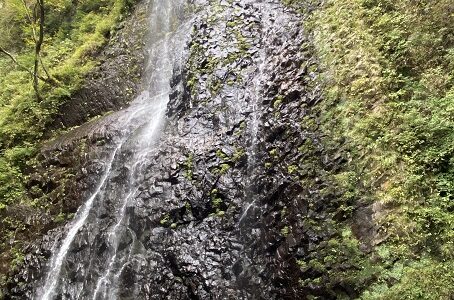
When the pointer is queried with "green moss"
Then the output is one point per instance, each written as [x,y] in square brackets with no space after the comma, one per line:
[292,169]
[215,86]
[189,166]
[302,264]
[284,212]
[188,207]
[232,24]
[238,154]
[221,154]
[277,102]
[285,231]
[223,168]
[216,203]
[165,220]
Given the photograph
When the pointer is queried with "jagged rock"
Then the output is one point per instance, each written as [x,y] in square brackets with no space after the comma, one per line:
[219,206]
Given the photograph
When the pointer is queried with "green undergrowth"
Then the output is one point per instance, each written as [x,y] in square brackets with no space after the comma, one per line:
[387,68]
[75,32]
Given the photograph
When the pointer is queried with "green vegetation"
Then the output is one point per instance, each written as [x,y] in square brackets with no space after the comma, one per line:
[33,85]
[74,32]
[285,231]
[217,203]
[388,71]
[165,220]
[238,154]
[189,166]
[221,154]
[277,102]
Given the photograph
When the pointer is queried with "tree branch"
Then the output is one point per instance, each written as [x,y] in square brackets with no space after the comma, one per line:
[38,38]
[15,61]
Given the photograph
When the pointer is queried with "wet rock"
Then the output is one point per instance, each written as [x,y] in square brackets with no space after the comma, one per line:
[222,205]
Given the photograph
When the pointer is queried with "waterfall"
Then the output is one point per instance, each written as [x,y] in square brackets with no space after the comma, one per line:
[139,126]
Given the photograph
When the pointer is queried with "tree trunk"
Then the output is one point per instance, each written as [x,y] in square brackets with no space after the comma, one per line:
[38,45]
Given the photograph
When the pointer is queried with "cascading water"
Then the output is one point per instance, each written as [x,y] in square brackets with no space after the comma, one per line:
[139,130]
[255,95]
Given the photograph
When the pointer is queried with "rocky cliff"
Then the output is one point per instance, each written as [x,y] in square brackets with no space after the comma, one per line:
[234,202]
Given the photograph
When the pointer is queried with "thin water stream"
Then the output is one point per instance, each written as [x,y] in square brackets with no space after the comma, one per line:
[140,127]
[255,95]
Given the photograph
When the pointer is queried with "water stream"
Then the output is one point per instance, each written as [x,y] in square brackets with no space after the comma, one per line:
[255,95]
[139,126]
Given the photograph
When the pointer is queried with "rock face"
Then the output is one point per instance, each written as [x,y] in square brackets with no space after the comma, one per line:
[224,206]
